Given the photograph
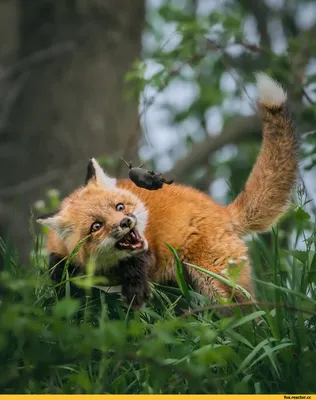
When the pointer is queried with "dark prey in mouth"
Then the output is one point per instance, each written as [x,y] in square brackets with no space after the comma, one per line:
[132,240]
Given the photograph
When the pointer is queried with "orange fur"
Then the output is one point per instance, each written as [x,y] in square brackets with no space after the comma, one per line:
[269,186]
[199,228]
[205,233]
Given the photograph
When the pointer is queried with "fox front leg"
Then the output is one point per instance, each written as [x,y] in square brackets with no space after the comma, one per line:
[134,277]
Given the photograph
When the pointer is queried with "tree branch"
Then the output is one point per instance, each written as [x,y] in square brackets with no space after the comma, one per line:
[238,128]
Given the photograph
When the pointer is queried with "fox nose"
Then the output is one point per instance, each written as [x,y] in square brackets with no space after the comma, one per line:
[126,222]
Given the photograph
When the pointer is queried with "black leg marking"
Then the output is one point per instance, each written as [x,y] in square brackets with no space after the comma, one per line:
[132,274]
[134,278]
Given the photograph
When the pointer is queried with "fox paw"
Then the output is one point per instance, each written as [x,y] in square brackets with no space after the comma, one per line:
[136,296]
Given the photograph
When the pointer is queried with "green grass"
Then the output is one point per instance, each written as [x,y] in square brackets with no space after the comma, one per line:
[177,344]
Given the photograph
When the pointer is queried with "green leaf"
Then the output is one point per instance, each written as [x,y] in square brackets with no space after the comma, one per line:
[269,351]
[312,270]
[66,308]
[248,318]
[285,290]
[301,215]
[82,380]
[179,273]
[300,255]
[221,279]
[236,336]
[119,384]
[220,355]
[251,356]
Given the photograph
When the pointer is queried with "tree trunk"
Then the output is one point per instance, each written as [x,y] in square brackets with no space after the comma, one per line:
[72,104]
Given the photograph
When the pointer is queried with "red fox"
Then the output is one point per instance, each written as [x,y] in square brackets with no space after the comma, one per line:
[128,227]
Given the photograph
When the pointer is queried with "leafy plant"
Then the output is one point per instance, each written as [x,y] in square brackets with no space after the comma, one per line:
[177,344]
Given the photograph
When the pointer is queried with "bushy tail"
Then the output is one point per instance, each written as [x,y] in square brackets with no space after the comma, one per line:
[274,174]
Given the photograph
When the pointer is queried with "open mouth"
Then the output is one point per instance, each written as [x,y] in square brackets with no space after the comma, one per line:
[131,241]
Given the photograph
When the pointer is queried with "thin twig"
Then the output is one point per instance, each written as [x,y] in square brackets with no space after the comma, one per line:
[252,47]
[307,96]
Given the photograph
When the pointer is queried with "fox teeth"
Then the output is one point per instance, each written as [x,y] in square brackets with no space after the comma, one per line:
[132,240]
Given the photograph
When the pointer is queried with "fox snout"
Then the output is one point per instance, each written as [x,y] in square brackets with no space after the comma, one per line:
[127,223]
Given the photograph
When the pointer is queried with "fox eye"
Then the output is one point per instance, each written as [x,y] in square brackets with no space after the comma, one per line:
[96,226]
[120,207]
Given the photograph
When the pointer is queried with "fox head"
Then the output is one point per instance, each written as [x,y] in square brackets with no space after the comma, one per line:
[108,221]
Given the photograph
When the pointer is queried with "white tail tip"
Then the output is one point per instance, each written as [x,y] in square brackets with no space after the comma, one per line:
[271,93]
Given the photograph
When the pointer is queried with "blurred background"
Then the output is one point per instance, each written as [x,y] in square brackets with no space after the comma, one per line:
[167,82]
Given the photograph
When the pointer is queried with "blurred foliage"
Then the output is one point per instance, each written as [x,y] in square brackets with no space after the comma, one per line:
[175,344]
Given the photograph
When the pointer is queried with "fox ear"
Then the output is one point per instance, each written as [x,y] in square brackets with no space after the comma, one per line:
[55,222]
[96,173]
